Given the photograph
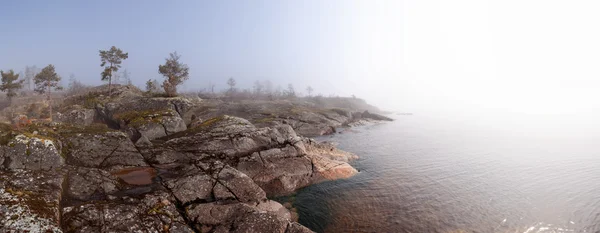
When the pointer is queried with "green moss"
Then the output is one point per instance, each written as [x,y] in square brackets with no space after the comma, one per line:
[66,130]
[6,134]
[18,193]
[38,204]
[265,120]
[90,100]
[139,118]
[211,121]
[5,127]
[204,126]
[5,138]
[39,136]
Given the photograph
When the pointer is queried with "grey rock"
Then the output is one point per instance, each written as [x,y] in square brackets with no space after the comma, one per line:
[240,185]
[152,130]
[258,222]
[32,153]
[27,197]
[275,207]
[79,116]
[217,214]
[90,183]
[154,213]
[102,150]
[278,171]
[295,227]
[192,187]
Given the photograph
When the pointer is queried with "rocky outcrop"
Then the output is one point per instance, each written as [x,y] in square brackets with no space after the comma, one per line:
[305,118]
[373,116]
[146,169]
[110,150]
[146,117]
[94,179]
[276,159]
[128,109]
[77,115]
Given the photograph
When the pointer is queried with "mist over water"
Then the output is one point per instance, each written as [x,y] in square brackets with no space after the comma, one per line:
[444,174]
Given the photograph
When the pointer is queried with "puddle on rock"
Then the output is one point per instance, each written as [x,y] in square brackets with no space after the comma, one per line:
[136,175]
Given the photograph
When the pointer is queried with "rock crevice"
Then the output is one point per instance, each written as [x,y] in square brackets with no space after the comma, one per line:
[151,173]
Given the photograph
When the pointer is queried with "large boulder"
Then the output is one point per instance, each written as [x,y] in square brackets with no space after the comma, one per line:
[127,108]
[77,115]
[31,152]
[280,171]
[150,117]
[240,217]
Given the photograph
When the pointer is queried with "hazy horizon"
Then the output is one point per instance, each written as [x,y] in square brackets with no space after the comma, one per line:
[476,58]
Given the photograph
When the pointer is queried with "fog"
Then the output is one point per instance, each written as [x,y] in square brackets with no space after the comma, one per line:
[479,59]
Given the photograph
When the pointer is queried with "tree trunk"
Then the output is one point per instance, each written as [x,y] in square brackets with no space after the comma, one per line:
[49,99]
[109,84]
[110,80]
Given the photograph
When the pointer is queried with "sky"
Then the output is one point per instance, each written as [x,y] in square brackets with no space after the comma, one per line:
[535,58]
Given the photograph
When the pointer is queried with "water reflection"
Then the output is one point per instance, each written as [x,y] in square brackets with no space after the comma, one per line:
[419,177]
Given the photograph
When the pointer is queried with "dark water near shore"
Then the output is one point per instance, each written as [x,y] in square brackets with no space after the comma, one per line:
[422,175]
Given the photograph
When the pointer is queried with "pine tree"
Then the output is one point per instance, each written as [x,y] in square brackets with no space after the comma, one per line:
[175,73]
[46,81]
[111,61]
[10,84]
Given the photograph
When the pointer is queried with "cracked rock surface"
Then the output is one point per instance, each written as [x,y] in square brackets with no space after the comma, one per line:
[212,178]
[215,176]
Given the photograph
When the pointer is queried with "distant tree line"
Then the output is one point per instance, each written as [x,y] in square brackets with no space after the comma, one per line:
[260,90]
[174,72]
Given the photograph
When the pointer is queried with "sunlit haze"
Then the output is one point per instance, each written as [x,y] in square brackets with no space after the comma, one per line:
[461,57]
[300,116]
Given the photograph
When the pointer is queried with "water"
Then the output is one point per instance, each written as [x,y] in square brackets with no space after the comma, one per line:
[421,174]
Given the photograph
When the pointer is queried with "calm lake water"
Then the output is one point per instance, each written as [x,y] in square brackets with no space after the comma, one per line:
[421,174]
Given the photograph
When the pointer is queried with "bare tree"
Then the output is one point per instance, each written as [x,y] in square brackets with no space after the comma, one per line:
[30,72]
[111,61]
[290,92]
[74,86]
[211,87]
[309,90]
[278,92]
[10,84]
[231,83]
[152,86]
[268,87]
[126,75]
[258,88]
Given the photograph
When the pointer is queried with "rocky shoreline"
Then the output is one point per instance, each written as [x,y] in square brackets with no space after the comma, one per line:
[133,163]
